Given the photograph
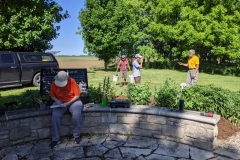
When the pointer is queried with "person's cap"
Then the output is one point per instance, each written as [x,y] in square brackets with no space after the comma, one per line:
[138,55]
[123,56]
[61,79]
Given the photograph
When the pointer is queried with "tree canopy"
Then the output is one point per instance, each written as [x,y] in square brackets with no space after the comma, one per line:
[27,25]
[162,28]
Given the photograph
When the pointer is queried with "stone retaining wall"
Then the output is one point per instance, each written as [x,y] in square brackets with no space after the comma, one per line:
[187,128]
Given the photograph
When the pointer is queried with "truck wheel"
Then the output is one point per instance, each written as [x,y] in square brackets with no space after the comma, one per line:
[36,80]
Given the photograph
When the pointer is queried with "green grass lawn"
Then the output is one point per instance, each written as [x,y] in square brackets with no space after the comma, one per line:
[157,78]
[153,77]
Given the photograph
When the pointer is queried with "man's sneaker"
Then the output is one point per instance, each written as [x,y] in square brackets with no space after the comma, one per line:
[77,140]
[54,144]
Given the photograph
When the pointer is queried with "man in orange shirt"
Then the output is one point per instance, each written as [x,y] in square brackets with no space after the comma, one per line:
[65,92]
[193,65]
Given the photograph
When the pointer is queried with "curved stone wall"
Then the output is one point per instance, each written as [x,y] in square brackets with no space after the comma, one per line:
[158,122]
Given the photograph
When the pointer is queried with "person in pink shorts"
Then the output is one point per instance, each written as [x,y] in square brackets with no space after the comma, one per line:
[123,64]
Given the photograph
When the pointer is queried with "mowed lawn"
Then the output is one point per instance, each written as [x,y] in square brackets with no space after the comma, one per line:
[153,77]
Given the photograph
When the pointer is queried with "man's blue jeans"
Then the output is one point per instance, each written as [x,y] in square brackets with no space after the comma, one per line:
[76,110]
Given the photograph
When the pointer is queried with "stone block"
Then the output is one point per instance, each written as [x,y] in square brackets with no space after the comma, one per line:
[156,119]
[142,119]
[65,130]
[66,120]
[92,121]
[38,118]
[120,128]
[140,142]
[96,130]
[203,144]
[19,133]
[26,124]
[97,150]
[132,153]
[34,133]
[5,143]
[43,133]
[207,126]
[4,136]
[141,132]
[188,141]
[12,124]
[113,154]
[47,121]
[36,124]
[198,154]
[26,120]
[197,132]
[172,149]
[186,122]
[10,157]
[2,126]
[122,114]
[4,132]
[158,135]
[94,114]
[128,120]
[150,126]
[227,154]
[109,118]
[176,120]
[172,131]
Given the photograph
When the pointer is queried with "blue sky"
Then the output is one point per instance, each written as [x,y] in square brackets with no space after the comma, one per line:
[68,42]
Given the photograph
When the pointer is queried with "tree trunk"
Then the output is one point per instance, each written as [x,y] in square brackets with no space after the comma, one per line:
[105,65]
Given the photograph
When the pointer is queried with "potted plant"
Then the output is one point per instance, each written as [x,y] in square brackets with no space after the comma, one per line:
[42,103]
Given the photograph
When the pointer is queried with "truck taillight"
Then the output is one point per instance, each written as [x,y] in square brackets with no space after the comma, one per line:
[58,67]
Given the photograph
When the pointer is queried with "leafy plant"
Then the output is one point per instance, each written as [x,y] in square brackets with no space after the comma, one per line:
[221,101]
[108,88]
[95,93]
[167,95]
[138,93]
[30,99]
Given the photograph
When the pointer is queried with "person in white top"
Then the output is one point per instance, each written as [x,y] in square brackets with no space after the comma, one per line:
[137,67]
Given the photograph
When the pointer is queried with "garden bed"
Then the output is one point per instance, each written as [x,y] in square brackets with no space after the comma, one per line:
[226,129]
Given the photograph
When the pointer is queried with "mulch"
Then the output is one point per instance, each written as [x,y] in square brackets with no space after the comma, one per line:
[226,129]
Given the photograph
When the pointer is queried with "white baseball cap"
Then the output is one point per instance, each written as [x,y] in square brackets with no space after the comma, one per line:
[61,79]
[138,55]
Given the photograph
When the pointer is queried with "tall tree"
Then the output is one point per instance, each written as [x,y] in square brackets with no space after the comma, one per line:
[28,25]
[107,27]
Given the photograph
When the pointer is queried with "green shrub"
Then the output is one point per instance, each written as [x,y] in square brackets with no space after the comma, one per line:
[167,94]
[138,93]
[95,94]
[29,99]
[221,101]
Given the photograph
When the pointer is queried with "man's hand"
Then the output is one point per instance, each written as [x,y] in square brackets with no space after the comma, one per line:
[180,63]
[65,105]
[58,101]
[193,75]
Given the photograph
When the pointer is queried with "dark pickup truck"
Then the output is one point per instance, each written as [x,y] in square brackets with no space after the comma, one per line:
[18,68]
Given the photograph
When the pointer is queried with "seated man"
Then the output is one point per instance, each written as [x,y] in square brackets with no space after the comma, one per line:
[65,91]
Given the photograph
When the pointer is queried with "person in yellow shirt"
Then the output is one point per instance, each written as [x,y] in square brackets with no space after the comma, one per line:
[193,65]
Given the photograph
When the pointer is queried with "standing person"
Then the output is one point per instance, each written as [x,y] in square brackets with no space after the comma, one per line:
[123,69]
[65,91]
[137,67]
[193,65]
